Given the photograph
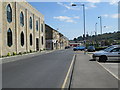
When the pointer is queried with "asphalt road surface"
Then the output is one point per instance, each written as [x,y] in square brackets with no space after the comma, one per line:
[43,71]
[50,70]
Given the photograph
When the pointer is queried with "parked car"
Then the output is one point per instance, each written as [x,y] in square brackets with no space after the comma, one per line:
[110,53]
[79,48]
[67,47]
[91,49]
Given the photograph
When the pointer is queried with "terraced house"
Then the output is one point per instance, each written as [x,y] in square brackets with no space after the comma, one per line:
[22,28]
[54,39]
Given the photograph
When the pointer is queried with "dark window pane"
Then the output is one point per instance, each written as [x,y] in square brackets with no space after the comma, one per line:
[31,39]
[37,25]
[9,37]
[42,41]
[22,39]
[30,22]
[9,13]
[22,19]
[42,27]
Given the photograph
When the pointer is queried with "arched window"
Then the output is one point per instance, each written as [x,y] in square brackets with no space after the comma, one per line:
[30,22]
[22,39]
[9,37]
[42,40]
[31,39]
[9,13]
[22,19]
[42,27]
[37,25]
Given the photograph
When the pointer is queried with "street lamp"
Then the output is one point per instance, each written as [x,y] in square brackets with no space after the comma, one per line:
[95,28]
[83,18]
[100,23]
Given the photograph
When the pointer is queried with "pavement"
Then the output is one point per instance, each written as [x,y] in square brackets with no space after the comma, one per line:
[23,56]
[90,74]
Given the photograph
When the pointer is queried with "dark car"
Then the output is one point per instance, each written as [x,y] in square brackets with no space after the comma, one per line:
[91,49]
[67,47]
[79,48]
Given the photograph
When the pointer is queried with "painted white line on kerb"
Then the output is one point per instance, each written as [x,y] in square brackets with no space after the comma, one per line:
[109,71]
[106,69]
[66,78]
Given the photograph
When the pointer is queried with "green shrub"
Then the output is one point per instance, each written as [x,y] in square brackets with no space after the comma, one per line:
[44,49]
[20,53]
[24,52]
[8,54]
[31,51]
[14,53]
[99,48]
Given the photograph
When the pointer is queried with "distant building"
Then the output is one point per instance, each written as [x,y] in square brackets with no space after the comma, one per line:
[54,39]
[75,44]
[22,28]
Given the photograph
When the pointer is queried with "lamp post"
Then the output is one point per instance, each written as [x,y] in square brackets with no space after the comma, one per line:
[83,18]
[100,23]
[96,29]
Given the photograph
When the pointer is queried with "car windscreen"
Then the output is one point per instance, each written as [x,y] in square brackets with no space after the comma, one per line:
[108,49]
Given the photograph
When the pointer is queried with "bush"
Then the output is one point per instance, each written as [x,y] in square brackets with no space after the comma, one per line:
[31,51]
[24,52]
[44,49]
[20,53]
[14,53]
[99,48]
[8,54]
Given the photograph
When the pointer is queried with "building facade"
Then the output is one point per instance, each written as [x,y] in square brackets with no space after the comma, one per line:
[22,28]
[54,39]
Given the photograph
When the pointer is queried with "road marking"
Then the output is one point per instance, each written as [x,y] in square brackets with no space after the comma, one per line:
[66,78]
[106,69]
[109,71]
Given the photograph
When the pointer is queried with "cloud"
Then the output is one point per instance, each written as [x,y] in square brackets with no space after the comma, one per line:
[76,17]
[94,1]
[115,16]
[113,2]
[105,15]
[90,5]
[111,15]
[66,18]
[69,7]
[87,6]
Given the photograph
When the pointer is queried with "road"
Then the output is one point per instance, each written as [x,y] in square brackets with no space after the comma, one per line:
[50,70]
[43,71]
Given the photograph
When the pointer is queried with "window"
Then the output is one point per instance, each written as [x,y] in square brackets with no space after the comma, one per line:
[42,27]
[30,22]
[37,25]
[22,39]
[22,19]
[116,50]
[9,37]
[31,39]
[42,40]
[9,13]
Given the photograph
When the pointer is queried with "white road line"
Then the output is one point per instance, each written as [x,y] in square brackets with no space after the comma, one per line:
[109,71]
[66,78]
[106,69]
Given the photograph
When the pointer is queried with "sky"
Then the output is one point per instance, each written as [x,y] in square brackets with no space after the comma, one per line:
[68,20]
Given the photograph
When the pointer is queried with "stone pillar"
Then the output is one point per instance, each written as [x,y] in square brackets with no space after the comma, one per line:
[0,28]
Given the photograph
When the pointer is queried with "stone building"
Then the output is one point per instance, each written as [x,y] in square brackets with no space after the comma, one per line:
[22,28]
[54,39]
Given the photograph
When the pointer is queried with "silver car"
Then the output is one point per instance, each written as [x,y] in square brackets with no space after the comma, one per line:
[110,53]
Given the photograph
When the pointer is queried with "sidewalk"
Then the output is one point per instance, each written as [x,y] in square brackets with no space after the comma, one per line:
[89,74]
[20,57]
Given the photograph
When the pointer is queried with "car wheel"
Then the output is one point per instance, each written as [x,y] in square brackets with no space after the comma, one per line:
[102,59]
